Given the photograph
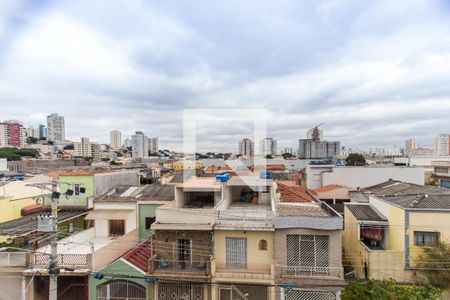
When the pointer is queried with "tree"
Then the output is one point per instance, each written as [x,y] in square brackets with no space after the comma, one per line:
[287,155]
[355,159]
[432,181]
[268,156]
[388,289]
[434,265]
[31,140]
[69,147]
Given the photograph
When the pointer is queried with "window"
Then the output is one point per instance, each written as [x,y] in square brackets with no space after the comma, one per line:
[77,189]
[308,253]
[422,238]
[441,170]
[263,245]
[116,227]
[236,252]
[149,221]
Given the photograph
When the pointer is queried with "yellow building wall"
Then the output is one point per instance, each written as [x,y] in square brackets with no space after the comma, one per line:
[10,209]
[427,221]
[255,258]
[396,231]
[353,252]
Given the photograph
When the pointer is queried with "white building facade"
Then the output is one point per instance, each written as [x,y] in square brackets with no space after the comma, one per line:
[56,130]
[139,145]
[115,139]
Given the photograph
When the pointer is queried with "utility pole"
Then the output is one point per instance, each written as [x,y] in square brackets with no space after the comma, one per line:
[53,267]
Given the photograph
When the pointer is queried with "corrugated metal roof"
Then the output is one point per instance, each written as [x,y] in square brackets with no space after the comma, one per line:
[149,192]
[365,212]
[29,224]
[409,195]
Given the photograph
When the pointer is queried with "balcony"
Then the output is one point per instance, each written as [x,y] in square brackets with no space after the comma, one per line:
[64,260]
[251,271]
[176,269]
[13,259]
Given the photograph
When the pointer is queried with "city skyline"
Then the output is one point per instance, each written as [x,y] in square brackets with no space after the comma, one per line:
[375,75]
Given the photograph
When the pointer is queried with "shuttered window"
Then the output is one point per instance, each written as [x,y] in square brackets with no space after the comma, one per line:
[236,252]
[308,253]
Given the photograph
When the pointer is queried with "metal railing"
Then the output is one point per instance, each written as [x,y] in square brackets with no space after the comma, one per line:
[199,267]
[301,271]
[13,259]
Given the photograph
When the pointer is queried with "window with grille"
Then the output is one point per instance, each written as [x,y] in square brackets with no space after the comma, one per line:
[236,252]
[422,238]
[116,227]
[308,253]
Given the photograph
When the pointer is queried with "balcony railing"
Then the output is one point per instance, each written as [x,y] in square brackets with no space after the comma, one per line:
[13,259]
[165,267]
[299,271]
[79,260]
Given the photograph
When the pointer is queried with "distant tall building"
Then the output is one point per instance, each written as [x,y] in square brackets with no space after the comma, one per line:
[288,150]
[410,145]
[139,144]
[12,134]
[115,139]
[268,146]
[56,131]
[85,148]
[315,147]
[32,132]
[315,134]
[42,132]
[442,145]
[127,143]
[153,145]
[246,148]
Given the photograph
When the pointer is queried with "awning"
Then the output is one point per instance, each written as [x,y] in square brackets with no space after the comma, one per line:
[109,214]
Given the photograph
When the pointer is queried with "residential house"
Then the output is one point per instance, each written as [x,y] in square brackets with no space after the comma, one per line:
[125,277]
[307,245]
[384,236]
[441,172]
[218,241]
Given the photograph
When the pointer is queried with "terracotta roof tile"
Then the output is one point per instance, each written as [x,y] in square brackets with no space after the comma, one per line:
[294,194]
[330,187]
[139,255]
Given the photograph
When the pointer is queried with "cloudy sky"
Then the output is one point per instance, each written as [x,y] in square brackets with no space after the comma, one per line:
[376,72]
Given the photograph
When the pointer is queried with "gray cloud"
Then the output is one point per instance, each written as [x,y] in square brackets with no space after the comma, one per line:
[375,73]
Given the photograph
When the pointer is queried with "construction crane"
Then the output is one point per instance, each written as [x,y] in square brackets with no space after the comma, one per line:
[316,132]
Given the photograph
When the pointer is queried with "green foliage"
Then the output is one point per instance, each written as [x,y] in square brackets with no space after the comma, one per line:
[16,154]
[69,147]
[268,156]
[388,289]
[355,159]
[31,140]
[114,163]
[153,154]
[431,181]
[287,155]
[434,265]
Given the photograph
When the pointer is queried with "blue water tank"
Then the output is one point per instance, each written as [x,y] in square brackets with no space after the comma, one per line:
[224,177]
[265,175]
